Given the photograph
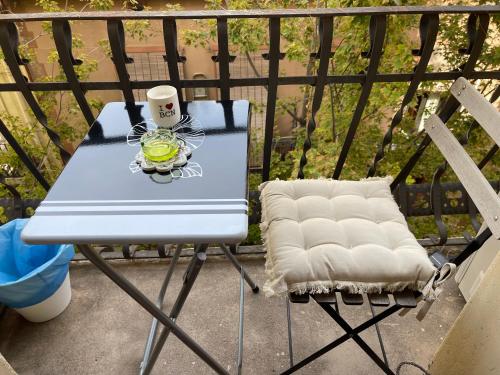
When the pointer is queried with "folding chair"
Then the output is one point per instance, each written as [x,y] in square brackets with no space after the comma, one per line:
[328,240]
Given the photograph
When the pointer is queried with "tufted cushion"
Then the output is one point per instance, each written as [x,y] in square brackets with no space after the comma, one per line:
[326,234]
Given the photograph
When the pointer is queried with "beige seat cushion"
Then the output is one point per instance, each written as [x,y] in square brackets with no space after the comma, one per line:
[325,234]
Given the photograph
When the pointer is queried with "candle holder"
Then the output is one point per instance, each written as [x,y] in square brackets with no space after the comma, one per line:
[167,150]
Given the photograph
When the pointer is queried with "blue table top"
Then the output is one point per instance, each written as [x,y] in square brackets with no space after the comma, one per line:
[103,196]
[99,169]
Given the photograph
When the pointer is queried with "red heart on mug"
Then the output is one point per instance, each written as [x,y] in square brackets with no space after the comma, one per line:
[169,106]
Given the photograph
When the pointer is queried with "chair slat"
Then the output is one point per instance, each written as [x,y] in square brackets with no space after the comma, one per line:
[481,192]
[298,298]
[379,299]
[406,298]
[352,299]
[326,297]
[476,104]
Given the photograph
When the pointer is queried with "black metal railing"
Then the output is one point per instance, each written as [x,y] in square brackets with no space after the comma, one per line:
[433,195]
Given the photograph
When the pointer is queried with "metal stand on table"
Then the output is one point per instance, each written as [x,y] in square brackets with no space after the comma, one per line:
[152,350]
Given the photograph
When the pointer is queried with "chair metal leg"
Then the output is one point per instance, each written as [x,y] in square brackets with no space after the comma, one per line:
[151,353]
[240,328]
[379,335]
[243,277]
[159,303]
[149,306]
[336,307]
[289,321]
[190,276]
[350,333]
[355,335]
[368,350]
[239,267]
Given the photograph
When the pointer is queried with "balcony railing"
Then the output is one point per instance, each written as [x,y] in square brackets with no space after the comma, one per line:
[432,198]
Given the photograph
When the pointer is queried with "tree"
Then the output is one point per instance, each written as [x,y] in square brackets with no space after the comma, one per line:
[64,115]
[340,100]
[336,111]
[299,39]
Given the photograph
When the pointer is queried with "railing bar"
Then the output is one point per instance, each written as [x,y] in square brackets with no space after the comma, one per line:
[189,83]
[402,197]
[326,32]
[406,202]
[116,36]
[422,194]
[252,13]
[170,38]
[9,41]
[451,104]
[12,190]
[23,155]
[436,204]
[40,86]
[432,76]
[379,24]
[493,150]
[405,171]
[223,54]
[263,81]
[63,40]
[449,107]
[272,89]
[429,25]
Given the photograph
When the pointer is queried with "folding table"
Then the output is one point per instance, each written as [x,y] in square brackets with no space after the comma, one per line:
[102,197]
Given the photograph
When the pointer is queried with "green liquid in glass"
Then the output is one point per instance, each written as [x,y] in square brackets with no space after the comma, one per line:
[160,145]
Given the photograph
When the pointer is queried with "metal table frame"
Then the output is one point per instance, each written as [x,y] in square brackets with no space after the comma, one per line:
[152,349]
[134,208]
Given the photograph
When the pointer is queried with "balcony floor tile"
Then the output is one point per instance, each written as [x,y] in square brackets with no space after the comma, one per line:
[103,331]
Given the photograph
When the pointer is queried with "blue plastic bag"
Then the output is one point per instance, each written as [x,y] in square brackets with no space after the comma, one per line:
[29,274]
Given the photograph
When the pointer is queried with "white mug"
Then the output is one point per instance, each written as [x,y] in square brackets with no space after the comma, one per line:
[164,106]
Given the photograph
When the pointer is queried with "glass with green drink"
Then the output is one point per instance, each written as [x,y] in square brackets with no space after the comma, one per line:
[159,145]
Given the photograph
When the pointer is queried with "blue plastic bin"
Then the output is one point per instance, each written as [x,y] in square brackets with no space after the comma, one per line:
[34,279]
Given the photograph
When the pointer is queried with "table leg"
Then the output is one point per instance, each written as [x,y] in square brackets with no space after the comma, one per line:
[239,363]
[149,306]
[239,267]
[190,276]
[159,303]
[243,277]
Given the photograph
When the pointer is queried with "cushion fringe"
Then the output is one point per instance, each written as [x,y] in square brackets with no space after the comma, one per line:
[277,286]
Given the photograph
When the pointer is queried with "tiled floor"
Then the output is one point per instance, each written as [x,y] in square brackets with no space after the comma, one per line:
[103,331]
